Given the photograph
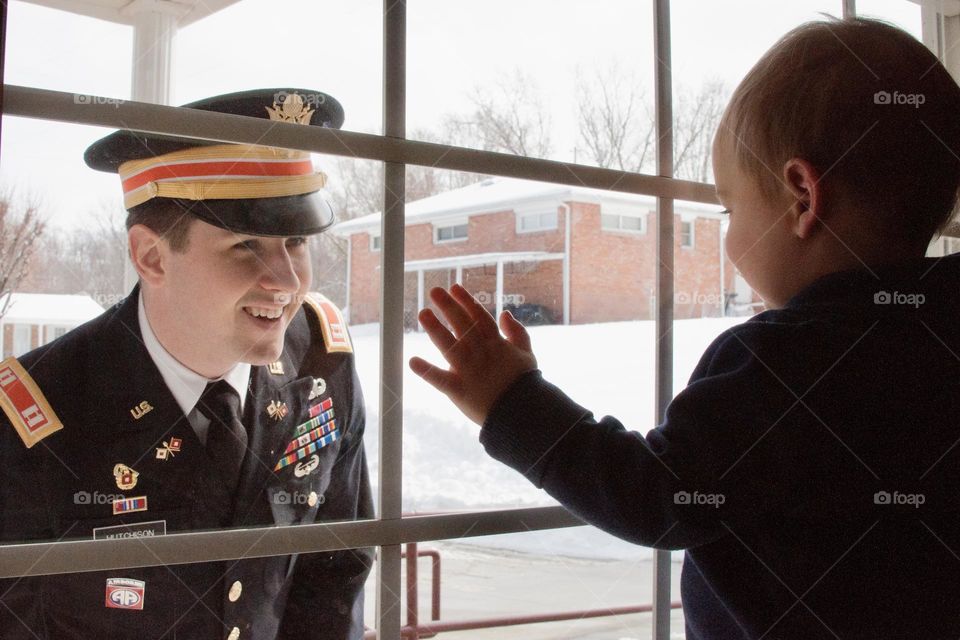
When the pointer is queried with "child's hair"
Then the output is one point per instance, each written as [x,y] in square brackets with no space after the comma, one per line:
[870,107]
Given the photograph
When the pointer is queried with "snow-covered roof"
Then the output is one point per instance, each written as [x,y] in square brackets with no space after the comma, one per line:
[500,194]
[49,308]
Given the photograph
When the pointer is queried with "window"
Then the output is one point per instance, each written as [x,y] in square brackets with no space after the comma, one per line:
[21,339]
[686,233]
[488,497]
[616,222]
[450,233]
[529,222]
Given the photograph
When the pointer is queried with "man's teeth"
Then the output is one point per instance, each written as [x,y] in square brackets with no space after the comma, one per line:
[260,312]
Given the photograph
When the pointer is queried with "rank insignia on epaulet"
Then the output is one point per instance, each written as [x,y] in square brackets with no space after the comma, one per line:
[335,335]
[21,399]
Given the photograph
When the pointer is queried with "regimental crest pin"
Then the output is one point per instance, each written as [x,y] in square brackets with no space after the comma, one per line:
[319,386]
[277,410]
[276,368]
[291,108]
[141,410]
[125,476]
[169,449]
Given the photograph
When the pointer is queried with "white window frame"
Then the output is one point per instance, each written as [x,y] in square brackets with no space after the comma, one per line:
[520,216]
[620,217]
[692,244]
[390,529]
[451,224]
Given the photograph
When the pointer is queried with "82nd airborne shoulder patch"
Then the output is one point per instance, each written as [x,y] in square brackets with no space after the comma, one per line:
[26,408]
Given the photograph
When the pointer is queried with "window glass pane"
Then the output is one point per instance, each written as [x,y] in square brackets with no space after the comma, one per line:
[487,584]
[708,62]
[609,221]
[535,92]
[631,223]
[903,13]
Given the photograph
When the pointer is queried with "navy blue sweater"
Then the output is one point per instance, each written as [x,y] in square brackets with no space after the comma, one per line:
[810,469]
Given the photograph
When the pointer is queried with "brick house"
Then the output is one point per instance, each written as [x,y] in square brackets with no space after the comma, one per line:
[34,319]
[508,242]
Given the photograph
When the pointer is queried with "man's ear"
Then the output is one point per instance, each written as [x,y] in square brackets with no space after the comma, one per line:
[802,180]
[147,252]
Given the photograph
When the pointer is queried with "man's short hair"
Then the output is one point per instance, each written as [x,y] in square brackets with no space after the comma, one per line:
[870,107]
[165,217]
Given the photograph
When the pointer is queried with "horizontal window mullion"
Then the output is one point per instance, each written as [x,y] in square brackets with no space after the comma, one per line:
[205,546]
[45,104]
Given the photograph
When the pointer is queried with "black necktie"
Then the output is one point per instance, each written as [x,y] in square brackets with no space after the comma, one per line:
[227,437]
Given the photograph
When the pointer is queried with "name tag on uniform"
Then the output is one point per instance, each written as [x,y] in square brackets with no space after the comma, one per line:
[138,530]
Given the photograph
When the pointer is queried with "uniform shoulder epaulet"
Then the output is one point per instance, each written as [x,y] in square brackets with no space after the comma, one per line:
[27,409]
[335,336]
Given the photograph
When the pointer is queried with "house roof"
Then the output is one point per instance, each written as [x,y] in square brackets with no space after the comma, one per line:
[48,308]
[500,194]
[125,11]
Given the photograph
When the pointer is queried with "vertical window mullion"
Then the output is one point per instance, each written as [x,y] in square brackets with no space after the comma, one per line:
[664,348]
[391,325]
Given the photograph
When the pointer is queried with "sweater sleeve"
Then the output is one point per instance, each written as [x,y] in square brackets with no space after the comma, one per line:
[718,454]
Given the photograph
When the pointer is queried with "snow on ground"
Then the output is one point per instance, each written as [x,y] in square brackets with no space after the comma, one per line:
[607,367]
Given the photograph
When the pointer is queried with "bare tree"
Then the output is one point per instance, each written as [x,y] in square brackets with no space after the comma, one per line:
[696,120]
[616,125]
[618,128]
[19,232]
[510,118]
[88,259]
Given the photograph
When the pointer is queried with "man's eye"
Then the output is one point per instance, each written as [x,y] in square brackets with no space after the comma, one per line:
[296,242]
[246,245]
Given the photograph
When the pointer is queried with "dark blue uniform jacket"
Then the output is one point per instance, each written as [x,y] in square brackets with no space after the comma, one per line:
[810,469]
[96,378]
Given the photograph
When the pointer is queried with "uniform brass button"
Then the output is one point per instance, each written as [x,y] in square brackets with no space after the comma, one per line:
[312,499]
[234,634]
[235,590]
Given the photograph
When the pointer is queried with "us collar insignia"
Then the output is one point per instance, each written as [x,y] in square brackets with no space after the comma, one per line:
[125,476]
[276,368]
[141,410]
[319,386]
[293,109]
[277,410]
[169,449]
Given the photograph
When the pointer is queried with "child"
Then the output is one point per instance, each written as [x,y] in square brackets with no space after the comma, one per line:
[810,469]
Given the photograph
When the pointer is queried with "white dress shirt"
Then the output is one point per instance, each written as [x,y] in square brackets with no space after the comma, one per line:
[187,385]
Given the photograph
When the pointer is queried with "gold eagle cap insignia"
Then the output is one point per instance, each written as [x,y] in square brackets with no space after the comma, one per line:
[291,109]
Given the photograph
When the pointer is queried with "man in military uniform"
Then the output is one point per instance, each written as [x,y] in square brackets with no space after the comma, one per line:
[218,394]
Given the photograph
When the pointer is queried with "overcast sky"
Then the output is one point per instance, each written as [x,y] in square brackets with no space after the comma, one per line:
[454,46]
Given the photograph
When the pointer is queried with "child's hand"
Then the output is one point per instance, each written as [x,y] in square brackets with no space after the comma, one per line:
[482,363]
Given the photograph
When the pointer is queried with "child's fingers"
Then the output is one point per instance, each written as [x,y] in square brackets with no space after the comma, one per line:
[515,332]
[439,334]
[474,309]
[444,381]
[453,311]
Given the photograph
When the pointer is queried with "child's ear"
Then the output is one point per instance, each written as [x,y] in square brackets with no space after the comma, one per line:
[803,182]
[147,253]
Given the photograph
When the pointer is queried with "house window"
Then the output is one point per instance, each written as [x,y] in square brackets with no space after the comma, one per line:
[450,233]
[686,234]
[529,222]
[374,242]
[615,222]
[21,339]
